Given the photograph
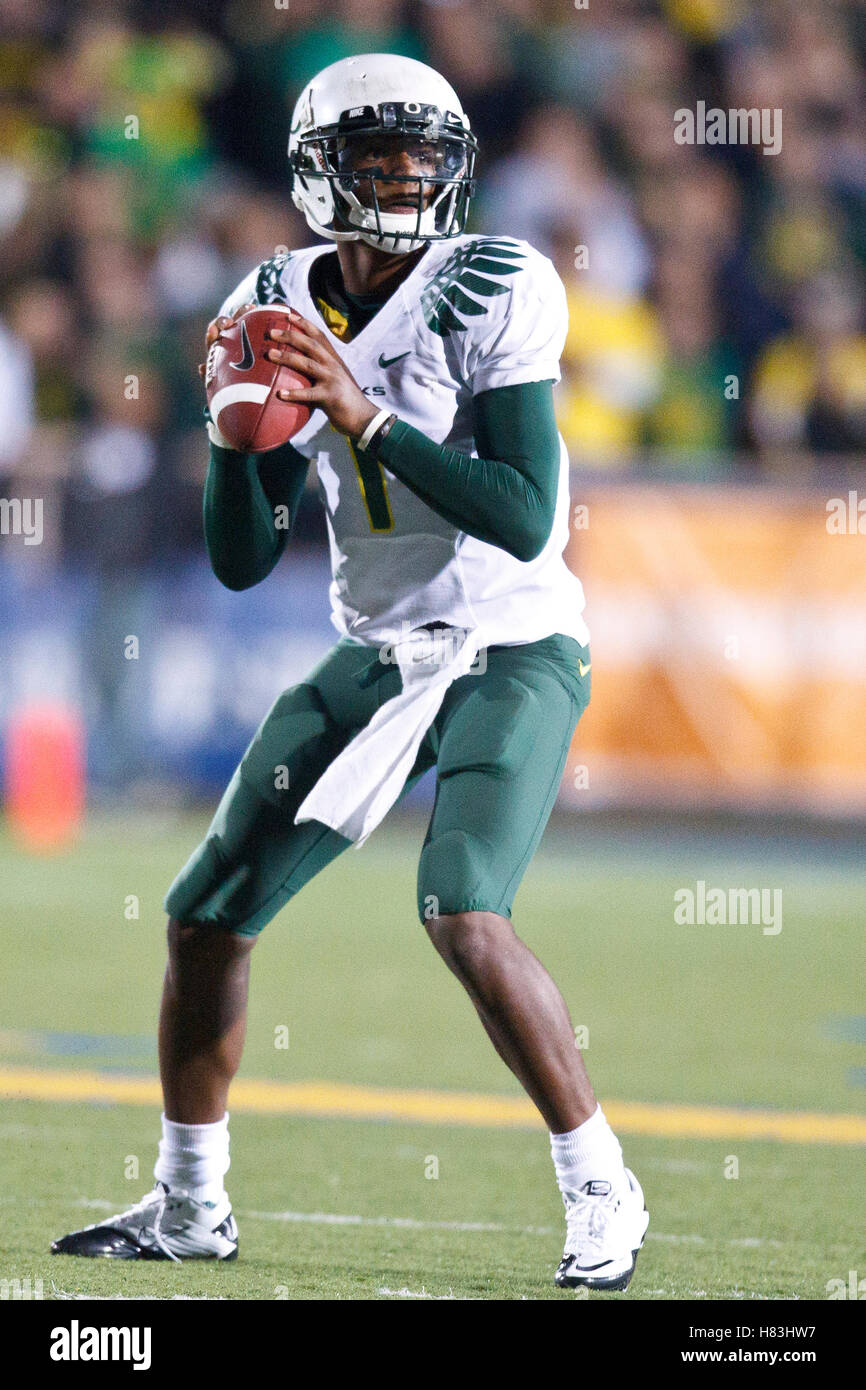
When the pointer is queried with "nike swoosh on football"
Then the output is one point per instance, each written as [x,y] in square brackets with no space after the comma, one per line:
[389,361]
[248,360]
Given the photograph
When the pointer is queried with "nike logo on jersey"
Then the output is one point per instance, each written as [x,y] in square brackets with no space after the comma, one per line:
[389,361]
[584,670]
[248,360]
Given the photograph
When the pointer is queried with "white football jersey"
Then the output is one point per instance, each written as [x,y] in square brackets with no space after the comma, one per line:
[475,312]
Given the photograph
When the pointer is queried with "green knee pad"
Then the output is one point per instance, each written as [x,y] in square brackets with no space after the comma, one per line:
[203,889]
[453,876]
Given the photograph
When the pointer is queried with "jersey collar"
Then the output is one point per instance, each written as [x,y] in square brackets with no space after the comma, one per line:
[392,307]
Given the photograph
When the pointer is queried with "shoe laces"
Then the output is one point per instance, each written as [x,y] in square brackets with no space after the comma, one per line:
[158,1198]
[157,1227]
[588,1219]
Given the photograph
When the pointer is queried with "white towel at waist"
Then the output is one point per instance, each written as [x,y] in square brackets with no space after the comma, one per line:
[362,783]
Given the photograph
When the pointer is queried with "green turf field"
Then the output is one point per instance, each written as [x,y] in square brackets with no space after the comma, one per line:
[343,1208]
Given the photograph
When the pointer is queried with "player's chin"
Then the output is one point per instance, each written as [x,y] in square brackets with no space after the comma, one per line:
[402,207]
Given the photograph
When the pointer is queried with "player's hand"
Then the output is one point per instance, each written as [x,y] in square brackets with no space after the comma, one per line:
[334,390]
[218,325]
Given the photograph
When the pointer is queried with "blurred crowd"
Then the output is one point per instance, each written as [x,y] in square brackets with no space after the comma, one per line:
[716,292]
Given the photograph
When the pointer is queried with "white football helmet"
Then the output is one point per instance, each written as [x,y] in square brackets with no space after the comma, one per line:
[379,105]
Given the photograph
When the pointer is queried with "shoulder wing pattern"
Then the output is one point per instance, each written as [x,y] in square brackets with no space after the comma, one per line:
[472,274]
[269,279]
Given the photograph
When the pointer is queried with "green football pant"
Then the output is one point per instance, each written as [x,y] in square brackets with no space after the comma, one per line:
[499,745]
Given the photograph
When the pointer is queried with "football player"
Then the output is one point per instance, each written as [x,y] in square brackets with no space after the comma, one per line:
[432,356]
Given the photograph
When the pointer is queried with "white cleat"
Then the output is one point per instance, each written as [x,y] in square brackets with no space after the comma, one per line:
[605,1228]
[164,1225]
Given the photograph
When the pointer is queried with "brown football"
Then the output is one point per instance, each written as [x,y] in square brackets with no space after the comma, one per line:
[241,384]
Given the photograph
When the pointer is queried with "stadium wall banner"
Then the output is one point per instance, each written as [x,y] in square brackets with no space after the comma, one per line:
[728,648]
[728,654]
[170,672]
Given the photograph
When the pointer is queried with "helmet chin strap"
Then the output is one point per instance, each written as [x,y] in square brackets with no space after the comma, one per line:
[400,233]
[405,243]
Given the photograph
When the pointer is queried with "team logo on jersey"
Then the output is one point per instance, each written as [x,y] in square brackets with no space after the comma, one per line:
[476,269]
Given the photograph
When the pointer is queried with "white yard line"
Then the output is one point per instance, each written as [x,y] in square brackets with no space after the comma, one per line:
[326,1218]
[322,1218]
[422,1293]
[411,1223]
[137,1298]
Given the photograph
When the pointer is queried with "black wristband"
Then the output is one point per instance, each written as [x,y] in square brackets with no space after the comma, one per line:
[381,434]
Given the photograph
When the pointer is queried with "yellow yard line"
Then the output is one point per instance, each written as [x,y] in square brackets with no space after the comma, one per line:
[329,1098]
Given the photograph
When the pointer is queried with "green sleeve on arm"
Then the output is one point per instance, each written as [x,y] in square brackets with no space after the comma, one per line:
[241,494]
[506,496]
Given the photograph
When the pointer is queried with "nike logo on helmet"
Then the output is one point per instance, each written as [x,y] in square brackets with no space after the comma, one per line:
[248,360]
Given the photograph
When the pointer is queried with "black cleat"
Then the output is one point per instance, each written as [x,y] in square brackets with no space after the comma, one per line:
[162,1226]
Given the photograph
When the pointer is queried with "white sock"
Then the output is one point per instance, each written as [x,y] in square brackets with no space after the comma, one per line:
[194,1157]
[589,1152]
